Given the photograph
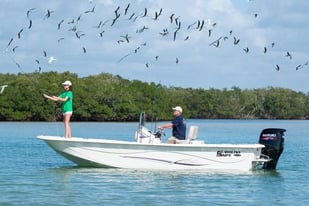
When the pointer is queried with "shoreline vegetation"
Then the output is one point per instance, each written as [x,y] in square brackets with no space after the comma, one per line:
[107,97]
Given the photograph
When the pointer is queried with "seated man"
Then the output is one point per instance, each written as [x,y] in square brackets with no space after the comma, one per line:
[178,125]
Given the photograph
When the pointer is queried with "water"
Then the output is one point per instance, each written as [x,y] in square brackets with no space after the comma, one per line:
[33,174]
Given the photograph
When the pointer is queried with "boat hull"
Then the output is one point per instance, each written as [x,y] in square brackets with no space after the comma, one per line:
[134,155]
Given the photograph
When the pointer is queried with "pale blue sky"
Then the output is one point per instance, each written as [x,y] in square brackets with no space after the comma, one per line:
[284,23]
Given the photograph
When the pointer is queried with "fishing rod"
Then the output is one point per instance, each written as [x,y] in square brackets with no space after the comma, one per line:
[34,83]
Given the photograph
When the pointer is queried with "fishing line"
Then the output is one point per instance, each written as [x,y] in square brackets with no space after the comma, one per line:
[34,83]
[37,87]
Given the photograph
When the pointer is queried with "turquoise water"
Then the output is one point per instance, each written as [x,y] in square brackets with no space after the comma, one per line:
[33,174]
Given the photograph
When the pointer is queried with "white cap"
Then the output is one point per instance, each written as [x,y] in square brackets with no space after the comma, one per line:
[67,82]
[178,108]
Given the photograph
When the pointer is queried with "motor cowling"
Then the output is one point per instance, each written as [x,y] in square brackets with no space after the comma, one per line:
[273,139]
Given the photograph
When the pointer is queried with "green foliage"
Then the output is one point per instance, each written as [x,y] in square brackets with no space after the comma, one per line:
[105,97]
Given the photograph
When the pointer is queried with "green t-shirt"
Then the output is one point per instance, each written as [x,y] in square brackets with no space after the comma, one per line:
[67,106]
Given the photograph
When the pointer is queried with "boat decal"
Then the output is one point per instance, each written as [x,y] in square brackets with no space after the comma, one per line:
[228,153]
[179,162]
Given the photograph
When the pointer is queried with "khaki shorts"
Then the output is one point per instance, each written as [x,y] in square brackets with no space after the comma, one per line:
[174,140]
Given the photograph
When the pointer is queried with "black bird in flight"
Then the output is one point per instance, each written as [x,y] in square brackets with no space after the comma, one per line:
[90,11]
[216,42]
[19,33]
[115,19]
[298,67]
[202,25]
[126,9]
[277,67]
[30,24]
[10,42]
[172,18]
[101,33]
[288,55]
[236,41]
[14,48]
[29,11]
[59,24]
[48,14]
[145,12]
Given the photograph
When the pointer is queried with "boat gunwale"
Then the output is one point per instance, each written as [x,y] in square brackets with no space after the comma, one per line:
[119,142]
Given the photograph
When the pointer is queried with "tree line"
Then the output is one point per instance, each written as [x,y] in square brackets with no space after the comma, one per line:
[107,97]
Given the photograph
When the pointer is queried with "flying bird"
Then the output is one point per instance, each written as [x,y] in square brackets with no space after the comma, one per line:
[78,35]
[29,11]
[236,41]
[30,24]
[116,11]
[209,32]
[201,26]
[172,18]
[216,42]
[90,11]
[126,9]
[115,19]
[288,55]
[145,12]
[126,37]
[60,39]
[164,33]
[19,33]
[132,15]
[99,25]
[101,33]
[298,67]
[10,42]
[59,24]
[51,59]
[265,50]
[277,67]
[157,14]
[48,14]
[14,48]
[246,49]
[18,65]
[84,50]
[2,88]
[191,25]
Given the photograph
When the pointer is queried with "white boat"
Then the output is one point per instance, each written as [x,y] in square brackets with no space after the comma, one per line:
[147,151]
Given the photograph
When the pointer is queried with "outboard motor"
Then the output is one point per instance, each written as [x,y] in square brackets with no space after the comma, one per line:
[273,139]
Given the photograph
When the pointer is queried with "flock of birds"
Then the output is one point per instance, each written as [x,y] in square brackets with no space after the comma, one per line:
[173,30]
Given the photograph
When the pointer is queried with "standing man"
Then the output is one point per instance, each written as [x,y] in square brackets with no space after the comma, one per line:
[178,125]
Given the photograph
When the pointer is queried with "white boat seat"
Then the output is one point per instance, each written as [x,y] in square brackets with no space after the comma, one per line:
[192,134]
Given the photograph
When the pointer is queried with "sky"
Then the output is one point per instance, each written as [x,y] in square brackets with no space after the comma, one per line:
[206,44]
